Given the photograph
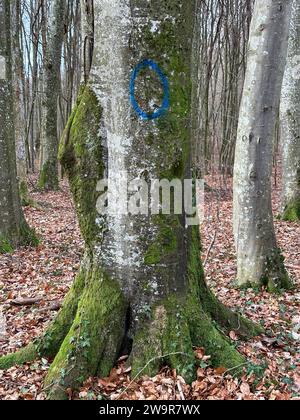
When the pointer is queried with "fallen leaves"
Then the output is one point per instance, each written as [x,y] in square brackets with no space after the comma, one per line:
[47,272]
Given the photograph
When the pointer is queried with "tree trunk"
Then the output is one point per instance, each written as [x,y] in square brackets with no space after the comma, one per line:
[13,228]
[141,288]
[48,179]
[259,260]
[290,122]
[19,102]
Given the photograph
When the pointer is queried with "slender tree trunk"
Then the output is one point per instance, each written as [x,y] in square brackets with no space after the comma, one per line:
[259,260]
[141,286]
[13,228]
[19,101]
[48,179]
[290,122]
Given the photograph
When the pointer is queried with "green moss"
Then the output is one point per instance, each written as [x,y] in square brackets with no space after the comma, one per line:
[26,355]
[176,326]
[26,201]
[50,343]
[28,236]
[48,179]
[164,340]
[174,126]
[81,156]
[227,319]
[94,340]
[205,334]
[292,212]
[165,243]
[5,246]
[276,277]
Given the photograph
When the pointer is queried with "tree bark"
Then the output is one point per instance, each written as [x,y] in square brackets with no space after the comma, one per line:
[13,228]
[141,287]
[290,122]
[48,179]
[19,101]
[259,260]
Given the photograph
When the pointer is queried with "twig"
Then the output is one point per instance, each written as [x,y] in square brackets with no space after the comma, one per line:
[25,301]
[210,248]
[180,391]
[234,368]
[293,267]
[54,307]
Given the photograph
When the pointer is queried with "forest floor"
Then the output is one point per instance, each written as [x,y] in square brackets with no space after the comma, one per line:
[46,273]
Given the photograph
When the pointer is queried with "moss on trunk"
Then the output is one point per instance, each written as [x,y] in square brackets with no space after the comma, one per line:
[48,179]
[26,201]
[25,236]
[93,342]
[292,212]
[87,335]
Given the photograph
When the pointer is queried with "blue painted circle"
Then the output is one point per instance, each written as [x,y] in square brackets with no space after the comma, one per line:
[166,101]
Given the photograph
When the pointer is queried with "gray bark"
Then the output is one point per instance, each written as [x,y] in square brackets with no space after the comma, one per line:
[258,258]
[19,99]
[13,228]
[143,285]
[290,122]
[49,160]
[87,34]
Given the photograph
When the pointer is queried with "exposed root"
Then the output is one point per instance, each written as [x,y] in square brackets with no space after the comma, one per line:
[93,343]
[88,333]
[171,335]
[54,336]
[229,320]
[26,355]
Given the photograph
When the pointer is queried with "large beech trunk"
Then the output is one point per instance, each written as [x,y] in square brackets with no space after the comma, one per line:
[141,287]
[258,258]
[13,228]
[290,122]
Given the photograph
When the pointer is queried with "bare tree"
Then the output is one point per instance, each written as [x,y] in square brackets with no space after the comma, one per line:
[290,122]
[13,227]
[48,179]
[19,86]
[259,260]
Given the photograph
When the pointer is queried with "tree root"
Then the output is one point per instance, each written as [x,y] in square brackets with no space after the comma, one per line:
[26,355]
[94,340]
[87,336]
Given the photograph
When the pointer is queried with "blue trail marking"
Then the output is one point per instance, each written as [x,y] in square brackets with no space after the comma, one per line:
[166,100]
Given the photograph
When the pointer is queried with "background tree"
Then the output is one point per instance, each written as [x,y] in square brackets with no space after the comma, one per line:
[19,98]
[258,258]
[141,284]
[48,179]
[290,122]
[13,228]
